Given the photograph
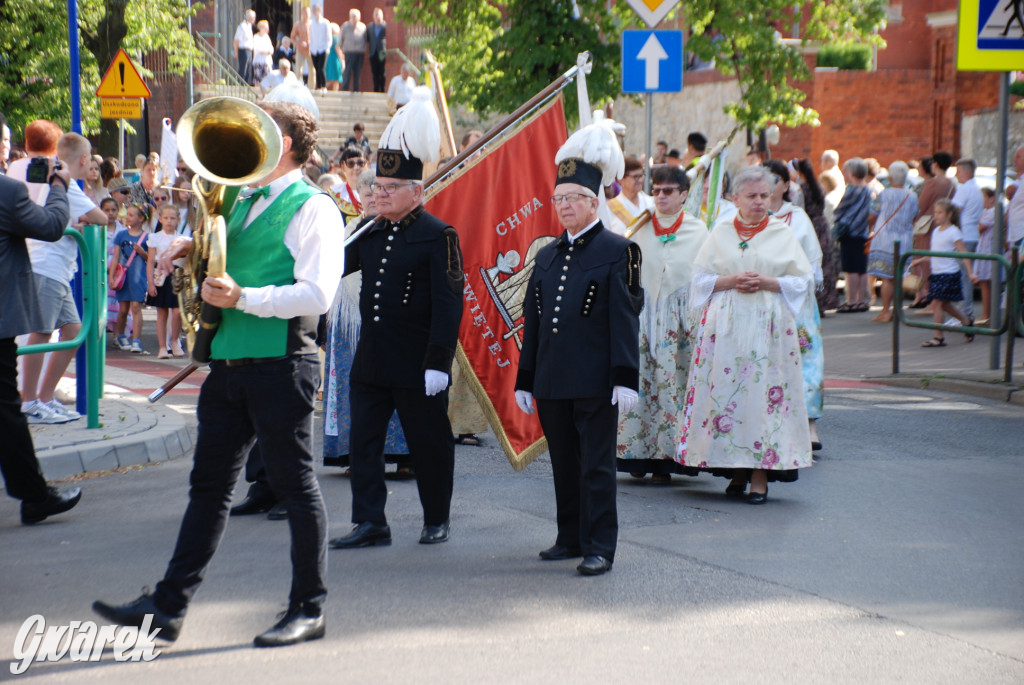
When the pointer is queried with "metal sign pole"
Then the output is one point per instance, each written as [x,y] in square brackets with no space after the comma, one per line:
[650,119]
[999,236]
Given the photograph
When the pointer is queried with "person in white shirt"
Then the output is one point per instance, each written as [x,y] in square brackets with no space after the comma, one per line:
[262,52]
[242,46]
[278,76]
[971,204]
[319,43]
[401,86]
[54,265]
[944,280]
[1015,211]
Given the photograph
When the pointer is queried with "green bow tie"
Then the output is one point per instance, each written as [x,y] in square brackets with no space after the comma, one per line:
[254,193]
[667,238]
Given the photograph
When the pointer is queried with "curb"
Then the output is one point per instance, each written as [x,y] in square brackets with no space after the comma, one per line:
[168,437]
[990,390]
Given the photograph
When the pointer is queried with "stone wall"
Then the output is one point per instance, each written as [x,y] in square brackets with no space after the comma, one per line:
[980,132]
[697,108]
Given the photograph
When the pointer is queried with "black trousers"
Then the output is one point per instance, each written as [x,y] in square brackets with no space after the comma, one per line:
[245,64]
[271,402]
[378,67]
[581,437]
[319,62]
[353,71]
[22,474]
[431,446]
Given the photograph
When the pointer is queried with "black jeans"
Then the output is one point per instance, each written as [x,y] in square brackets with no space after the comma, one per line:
[319,62]
[353,71]
[431,446]
[274,403]
[581,437]
[378,68]
[245,64]
[18,461]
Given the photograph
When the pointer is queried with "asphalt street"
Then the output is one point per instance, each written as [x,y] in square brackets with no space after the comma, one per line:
[897,558]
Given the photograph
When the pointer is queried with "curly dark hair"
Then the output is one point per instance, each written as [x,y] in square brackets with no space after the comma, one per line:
[299,124]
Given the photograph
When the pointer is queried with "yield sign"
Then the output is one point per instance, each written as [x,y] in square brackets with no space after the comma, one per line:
[652,11]
[122,80]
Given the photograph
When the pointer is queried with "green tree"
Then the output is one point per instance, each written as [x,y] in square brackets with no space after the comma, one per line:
[497,54]
[35,80]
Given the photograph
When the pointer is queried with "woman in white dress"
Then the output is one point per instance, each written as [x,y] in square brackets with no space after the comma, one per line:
[745,414]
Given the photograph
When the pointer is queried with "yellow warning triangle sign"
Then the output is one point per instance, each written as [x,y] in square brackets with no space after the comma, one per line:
[122,80]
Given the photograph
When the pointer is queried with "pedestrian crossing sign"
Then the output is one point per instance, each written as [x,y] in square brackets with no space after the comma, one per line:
[990,35]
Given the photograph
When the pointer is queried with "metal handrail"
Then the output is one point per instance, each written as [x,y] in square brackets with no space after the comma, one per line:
[221,73]
[92,247]
[1013,299]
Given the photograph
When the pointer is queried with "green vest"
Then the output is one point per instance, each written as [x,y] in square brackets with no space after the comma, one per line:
[257,257]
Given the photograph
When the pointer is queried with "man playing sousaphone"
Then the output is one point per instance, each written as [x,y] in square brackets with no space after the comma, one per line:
[284,263]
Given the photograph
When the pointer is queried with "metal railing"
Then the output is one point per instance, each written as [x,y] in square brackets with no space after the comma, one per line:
[1011,326]
[219,72]
[93,250]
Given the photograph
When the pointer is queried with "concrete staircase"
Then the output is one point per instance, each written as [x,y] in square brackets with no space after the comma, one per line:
[339,112]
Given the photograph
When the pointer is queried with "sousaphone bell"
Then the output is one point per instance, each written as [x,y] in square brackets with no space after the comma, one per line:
[226,141]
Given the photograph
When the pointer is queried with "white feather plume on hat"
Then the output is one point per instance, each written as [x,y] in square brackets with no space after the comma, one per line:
[415,129]
[294,91]
[596,144]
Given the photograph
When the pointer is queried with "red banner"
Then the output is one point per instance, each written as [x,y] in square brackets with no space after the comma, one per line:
[501,208]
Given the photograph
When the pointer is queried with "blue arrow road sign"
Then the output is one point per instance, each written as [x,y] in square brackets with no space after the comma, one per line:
[652,61]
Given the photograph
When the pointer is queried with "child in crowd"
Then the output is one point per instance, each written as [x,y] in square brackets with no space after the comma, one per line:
[983,268]
[944,281]
[161,197]
[132,255]
[182,198]
[161,289]
[111,208]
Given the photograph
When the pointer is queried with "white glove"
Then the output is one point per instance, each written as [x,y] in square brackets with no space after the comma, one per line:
[524,398]
[625,398]
[435,380]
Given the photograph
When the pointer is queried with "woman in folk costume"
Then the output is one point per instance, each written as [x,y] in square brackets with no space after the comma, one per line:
[346,194]
[744,407]
[342,335]
[669,241]
[812,354]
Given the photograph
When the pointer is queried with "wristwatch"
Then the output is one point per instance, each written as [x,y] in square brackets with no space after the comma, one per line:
[240,303]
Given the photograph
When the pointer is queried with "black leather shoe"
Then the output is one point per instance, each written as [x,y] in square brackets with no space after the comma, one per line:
[257,501]
[594,565]
[278,513]
[558,552]
[56,502]
[293,628]
[134,613]
[757,497]
[736,489]
[364,534]
[431,535]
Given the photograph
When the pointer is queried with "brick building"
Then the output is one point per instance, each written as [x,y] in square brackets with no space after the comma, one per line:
[912,104]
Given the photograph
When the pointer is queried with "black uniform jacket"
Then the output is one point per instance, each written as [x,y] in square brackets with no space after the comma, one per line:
[581,335]
[411,299]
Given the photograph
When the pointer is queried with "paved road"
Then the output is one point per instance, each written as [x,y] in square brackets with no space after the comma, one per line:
[897,558]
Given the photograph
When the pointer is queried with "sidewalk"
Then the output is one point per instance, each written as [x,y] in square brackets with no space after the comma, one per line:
[135,431]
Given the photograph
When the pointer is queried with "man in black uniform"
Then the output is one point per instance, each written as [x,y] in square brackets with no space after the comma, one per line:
[580,360]
[411,306]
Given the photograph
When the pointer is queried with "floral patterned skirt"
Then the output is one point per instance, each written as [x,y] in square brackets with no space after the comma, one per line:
[745,406]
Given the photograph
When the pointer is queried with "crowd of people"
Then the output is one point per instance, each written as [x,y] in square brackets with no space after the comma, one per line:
[663,334]
[324,54]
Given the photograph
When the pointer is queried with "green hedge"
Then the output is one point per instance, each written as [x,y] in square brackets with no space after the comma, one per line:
[1017,88]
[851,57]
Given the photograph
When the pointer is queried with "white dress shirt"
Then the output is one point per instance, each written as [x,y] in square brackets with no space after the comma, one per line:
[319,36]
[315,237]
[969,199]
[243,34]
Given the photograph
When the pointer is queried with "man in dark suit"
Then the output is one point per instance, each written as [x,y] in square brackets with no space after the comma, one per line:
[580,360]
[378,50]
[411,306]
[21,218]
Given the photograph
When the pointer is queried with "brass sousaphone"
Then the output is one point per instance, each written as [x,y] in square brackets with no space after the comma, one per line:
[226,142]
